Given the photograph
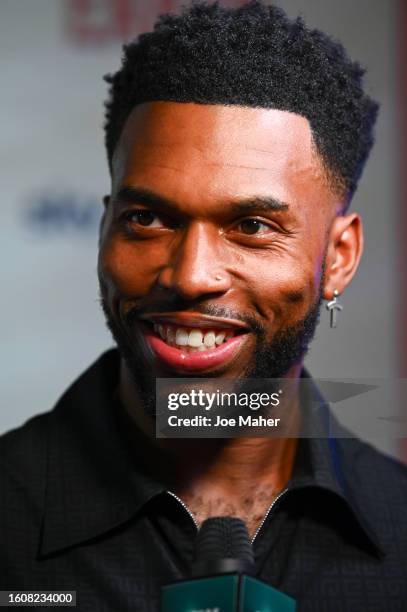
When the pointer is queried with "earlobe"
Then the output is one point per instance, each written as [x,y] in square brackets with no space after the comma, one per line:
[344,251]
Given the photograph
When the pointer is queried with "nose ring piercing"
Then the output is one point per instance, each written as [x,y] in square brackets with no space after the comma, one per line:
[218,277]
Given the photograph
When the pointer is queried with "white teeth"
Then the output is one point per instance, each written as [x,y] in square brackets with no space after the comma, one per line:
[170,335]
[195,338]
[209,339]
[181,337]
[220,336]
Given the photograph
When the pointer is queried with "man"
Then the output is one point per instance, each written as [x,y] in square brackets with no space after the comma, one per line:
[235,142]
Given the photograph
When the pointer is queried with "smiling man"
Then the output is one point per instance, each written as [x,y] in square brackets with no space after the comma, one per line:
[214,242]
[235,141]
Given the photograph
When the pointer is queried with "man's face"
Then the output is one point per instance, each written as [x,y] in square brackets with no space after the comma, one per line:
[214,236]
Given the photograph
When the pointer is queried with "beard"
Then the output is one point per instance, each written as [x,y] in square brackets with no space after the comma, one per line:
[272,360]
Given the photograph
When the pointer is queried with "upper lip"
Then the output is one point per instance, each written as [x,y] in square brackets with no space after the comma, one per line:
[190,319]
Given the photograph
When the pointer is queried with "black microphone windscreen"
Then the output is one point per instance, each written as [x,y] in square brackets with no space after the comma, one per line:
[223,545]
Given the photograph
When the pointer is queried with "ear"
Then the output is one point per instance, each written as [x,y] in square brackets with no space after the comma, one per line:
[345,247]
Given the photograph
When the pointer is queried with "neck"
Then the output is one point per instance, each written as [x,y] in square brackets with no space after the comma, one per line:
[228,467]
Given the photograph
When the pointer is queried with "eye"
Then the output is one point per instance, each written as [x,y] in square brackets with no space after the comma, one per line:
[144,217]
[253,226]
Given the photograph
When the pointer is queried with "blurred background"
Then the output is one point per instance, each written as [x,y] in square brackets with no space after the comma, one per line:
[54,175]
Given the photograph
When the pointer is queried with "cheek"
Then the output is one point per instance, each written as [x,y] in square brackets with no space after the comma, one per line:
[285,292]
[126,268]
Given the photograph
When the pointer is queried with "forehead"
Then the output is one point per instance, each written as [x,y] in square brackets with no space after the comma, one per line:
[218,152]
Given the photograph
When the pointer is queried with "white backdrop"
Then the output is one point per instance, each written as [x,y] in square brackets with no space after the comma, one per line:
[54,175]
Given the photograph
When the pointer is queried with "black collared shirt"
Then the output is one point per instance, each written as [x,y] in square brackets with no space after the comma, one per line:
[79,511]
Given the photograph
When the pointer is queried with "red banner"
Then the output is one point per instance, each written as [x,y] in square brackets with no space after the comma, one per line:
[99,22]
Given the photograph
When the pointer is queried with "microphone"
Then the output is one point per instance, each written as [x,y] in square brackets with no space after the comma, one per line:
[222,575]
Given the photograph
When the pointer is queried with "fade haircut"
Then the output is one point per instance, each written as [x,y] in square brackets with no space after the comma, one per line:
[251,56]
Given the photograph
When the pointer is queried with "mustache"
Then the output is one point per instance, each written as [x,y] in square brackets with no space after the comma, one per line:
[213,310]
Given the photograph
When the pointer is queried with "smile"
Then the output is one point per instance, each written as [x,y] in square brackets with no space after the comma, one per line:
[192,340]
[194,348]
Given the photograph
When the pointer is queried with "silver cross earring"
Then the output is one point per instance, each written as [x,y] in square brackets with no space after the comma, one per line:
[334,307]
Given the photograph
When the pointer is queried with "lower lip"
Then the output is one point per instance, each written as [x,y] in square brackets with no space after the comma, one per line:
[197,361]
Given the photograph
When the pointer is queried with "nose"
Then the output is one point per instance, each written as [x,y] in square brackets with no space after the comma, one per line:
[196,268]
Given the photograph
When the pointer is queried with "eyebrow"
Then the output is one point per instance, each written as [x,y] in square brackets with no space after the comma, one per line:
[143,196]
[242,206]
[261,204]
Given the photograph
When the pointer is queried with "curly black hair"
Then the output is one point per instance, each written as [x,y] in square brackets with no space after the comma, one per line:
[250,56]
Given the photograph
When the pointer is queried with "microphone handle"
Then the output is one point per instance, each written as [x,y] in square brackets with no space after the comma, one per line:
[224,593]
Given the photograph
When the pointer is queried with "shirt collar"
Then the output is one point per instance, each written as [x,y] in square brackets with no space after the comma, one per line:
[93,483]
[327,462]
